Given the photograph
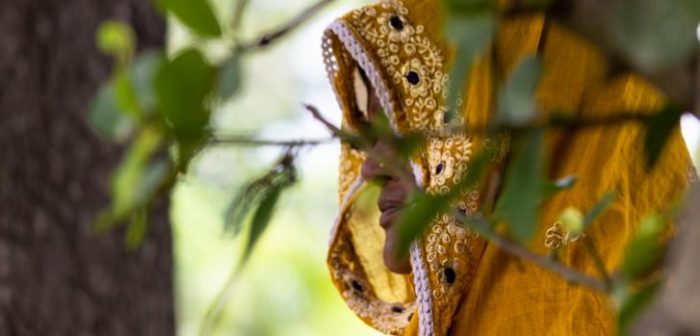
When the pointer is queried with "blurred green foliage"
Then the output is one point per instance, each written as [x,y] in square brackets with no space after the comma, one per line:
[168,105]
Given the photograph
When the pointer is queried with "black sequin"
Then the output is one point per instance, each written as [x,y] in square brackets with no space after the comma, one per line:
[356,286]
[396,23]
[440,167]
[413,77]
[450,275]
[462,210]
[447,117]
[397,309]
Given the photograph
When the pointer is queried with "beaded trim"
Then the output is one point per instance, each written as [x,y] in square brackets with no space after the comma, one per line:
[421,281]
[359,54]
[408,62]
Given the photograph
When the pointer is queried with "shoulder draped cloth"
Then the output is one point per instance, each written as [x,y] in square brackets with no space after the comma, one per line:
[459,284]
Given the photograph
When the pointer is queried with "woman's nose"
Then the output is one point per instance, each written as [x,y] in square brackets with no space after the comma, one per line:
[374,168]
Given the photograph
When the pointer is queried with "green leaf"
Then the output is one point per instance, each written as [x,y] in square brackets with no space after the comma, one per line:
[136,232]
[106,117]
[281,176]
[126,95]
[655,34]
[195,14]
[522,192]
[472,35]
[634,304]
[646,250]
[151,179]
[261,218]
[230,76]
[422,208]
[182,87]
[516,101]
[129,174]
[658,130]
[142,75]
[116,38]
[600,207]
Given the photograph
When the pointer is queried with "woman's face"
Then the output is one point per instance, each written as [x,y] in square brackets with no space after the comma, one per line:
[394,191]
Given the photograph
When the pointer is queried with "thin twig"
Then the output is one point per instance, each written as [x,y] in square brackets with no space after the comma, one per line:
[391,164]
[287,27]
[247,141]
[317,115]
[569,274]
[593,251]
[551,123]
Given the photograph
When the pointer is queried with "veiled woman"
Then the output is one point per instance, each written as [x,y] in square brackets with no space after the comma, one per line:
[390,59]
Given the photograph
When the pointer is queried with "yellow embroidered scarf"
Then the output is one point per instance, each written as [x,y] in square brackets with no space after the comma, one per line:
[459,284]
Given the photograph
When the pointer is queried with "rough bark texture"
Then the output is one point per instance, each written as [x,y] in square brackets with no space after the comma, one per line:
[57,277]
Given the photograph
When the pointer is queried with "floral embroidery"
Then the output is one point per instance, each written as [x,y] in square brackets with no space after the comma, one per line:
[411,61]
[556,236]
[447,161]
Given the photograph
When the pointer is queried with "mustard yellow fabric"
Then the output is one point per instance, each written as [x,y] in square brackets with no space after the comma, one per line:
[460,284]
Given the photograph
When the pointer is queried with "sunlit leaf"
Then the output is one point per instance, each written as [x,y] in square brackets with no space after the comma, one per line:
[658,131]
[106,117]
[116,38]
[472,35]
[126,95]
[136,232]
[600,207]
[142,74]
[128,176]
[182,86]
[522,191]
[516,102]
[195,14]
[646,250]
[655,34]
[633,304]
[230,77]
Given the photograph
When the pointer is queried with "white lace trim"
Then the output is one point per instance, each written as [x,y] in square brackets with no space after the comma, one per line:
[359,54]
[420,271]
[421,282]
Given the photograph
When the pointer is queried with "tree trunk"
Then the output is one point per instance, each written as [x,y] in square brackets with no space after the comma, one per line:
[57,276]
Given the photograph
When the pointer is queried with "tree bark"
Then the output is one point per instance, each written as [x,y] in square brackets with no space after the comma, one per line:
[57,276]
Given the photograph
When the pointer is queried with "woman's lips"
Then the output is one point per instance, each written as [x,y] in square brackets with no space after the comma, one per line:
[390,208]
[386,220]
[390,202]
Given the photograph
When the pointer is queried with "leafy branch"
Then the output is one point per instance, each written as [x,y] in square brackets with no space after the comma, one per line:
[154,103]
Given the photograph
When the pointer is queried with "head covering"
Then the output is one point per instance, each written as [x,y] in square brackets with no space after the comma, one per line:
[458,282]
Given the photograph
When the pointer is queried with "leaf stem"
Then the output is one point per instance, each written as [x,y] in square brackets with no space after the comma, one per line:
[285,28]
[482,225]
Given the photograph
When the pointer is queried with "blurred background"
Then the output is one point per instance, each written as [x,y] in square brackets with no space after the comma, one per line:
[285,289]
